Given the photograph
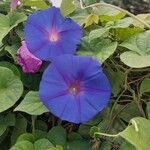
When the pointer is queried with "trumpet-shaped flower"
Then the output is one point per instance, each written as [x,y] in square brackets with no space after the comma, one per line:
[28,62]
[49,34]
[74,88]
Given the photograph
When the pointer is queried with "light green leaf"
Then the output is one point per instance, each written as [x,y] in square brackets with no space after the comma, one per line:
[8,22]
[139,43]
[101,48]
[123,23]
[145,86]
[106,51]
[123,34]
[31,104]
[12,50]
[97,33]
[58,147]
[144,17]
[126,146]
[6,121]
[35,3]
[24,145]
[138,133]
[43,144]
[57,135]
[108,14]
[10,66]
[11,88]
[67,7]
[26,137]
[148,110]
[80,16]
[134,60]
[91,19]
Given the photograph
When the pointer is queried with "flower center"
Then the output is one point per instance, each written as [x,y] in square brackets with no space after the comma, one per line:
[74,87]
[53,36]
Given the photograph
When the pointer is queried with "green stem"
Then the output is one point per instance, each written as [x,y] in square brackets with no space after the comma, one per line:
[105,134]
[33,123]
[118,8]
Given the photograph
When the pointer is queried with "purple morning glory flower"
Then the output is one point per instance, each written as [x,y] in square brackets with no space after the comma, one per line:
[28,62]
[49,34]
[74,88]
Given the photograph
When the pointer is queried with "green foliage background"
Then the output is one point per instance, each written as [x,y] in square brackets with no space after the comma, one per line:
[120,43]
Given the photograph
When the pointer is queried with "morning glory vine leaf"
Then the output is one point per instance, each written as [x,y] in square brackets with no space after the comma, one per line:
[23,145]
[108,14]
[35,3]
[31,104]
[145,86]
[67,7]
[138,133]
[11,88]
[139,45]
[101,48]
[97,33]
[8,22]
[6,121]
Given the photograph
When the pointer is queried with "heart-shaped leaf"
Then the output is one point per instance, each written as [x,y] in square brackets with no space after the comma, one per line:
[11,88]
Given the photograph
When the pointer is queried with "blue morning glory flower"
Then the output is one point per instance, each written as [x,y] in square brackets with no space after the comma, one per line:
[49,34]
[74,88]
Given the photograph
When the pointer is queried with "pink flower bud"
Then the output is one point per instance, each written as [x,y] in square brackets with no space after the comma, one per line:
[28,61]
[13,4]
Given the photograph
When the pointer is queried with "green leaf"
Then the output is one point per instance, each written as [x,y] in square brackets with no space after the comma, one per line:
[67,7]
[145,86]
[97,33]
[130,59]
[74,136]
[123,23]
[8,22]
[57,135]
[78,145]
[138,133]
[122,34]
[106,51]
[31,104]
[129,112]
[35,3]
[39,134]
[108,14]
[6,121]
[43,144]
[11,89]
[20,128]
[140,46]
[80,16]
[91,19]
[12,50]
[101,48]
[24,145]
[26,137]
[148,110]
[126,146]
[58,147]
[10,66]
[106,146]
[116,80]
